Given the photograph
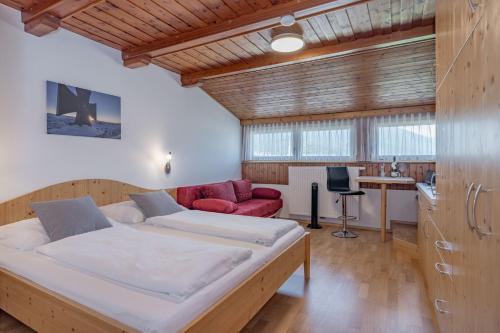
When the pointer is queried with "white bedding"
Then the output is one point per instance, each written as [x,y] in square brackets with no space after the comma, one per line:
[144,312]
[258,230]
[147,260]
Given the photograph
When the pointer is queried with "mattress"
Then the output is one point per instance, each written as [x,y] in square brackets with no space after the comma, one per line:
[144,312]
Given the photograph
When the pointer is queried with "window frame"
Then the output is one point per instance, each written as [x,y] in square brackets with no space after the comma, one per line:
[375,155]
[275,157]
[333,158]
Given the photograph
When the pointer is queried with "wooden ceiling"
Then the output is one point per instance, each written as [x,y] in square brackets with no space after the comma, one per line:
[204,40]
[390,78]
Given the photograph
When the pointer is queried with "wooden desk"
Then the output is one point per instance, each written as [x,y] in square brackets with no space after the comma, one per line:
[383,181]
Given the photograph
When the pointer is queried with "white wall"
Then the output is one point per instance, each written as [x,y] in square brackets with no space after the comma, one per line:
[158,116]
[401,206]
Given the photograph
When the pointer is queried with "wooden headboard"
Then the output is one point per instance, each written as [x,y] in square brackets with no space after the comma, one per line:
[103,191]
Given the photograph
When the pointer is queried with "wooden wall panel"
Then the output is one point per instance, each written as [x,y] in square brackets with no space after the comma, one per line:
[277,172]
[396,77]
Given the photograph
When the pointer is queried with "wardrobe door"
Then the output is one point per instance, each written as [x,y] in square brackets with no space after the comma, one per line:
[457,19]
[476,129]
[484,76]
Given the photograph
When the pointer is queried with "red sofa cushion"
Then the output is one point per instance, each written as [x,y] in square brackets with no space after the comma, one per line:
[188,194]
[266,193]
[215,205]
[242,189]
[259,207]
[224,191]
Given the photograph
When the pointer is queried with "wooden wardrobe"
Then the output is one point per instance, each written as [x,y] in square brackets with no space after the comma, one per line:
[466,218]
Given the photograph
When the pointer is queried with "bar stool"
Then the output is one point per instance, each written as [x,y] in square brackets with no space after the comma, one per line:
[338,182]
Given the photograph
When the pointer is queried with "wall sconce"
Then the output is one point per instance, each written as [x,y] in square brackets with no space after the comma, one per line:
[168,163]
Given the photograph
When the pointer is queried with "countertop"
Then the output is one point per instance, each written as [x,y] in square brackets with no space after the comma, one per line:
[385,180]
[427,192]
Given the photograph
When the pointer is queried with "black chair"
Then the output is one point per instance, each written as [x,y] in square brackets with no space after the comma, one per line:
[338,182]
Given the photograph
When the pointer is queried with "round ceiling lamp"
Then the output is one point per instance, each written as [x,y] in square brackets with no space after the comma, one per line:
[288,37]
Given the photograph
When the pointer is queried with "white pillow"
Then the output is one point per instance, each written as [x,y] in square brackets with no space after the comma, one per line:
[124,212]
[23,235]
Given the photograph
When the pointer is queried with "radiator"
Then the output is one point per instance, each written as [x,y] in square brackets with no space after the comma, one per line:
[300,180]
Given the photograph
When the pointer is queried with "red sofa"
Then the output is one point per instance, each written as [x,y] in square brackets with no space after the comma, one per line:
[231,197]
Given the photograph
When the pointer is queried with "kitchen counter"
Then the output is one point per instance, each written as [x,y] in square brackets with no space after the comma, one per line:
[425,190]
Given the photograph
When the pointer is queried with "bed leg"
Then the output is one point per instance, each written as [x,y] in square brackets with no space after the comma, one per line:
[307,257]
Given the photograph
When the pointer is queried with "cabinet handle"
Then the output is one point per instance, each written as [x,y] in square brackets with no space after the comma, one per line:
[437,303]
[442,268]
[481,231]
[467,199]
[442,245]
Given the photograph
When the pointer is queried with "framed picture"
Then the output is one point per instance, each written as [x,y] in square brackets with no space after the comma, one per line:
[81,112]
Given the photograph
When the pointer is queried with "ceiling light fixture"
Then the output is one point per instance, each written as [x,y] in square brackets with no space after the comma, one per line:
[288,37]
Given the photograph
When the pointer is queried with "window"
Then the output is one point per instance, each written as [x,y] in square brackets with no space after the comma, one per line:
[274,145]
[323,141]
[406,137]
[327,144]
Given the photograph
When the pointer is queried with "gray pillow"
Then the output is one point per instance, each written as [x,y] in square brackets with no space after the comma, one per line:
[156,203]
[65,218]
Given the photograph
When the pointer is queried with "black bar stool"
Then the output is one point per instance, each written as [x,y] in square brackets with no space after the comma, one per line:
[338,182]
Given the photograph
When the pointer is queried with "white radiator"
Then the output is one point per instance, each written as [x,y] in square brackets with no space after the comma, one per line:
[300,180]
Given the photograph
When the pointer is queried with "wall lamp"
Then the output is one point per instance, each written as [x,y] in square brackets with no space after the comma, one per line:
[168,166]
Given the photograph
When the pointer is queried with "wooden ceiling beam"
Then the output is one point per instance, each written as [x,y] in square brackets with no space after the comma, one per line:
[42,25]
[39,9]
[46,16]
[12,4]
[137,62]
[272,60]
[260,20]
[342,115]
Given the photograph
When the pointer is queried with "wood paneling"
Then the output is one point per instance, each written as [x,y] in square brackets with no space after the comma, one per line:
[358,22]
[277,172]
[342,115]
[275,59]
[468,154]
[234,25]
[457,22]
[397,77]
[212,30]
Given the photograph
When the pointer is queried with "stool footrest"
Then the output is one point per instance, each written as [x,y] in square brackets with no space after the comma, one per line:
[348,217]
[344,234]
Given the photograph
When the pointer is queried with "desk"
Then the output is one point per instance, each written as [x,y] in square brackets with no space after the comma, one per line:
[383,181]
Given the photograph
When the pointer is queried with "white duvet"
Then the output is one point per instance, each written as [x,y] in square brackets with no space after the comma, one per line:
[171,266]
[258,230]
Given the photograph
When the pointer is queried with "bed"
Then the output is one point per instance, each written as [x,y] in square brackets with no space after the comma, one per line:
[41,293]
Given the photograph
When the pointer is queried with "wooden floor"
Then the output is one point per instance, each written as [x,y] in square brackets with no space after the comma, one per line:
[405,232]
[357,285]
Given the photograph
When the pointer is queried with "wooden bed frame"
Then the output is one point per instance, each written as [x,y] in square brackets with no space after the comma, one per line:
[47,311]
